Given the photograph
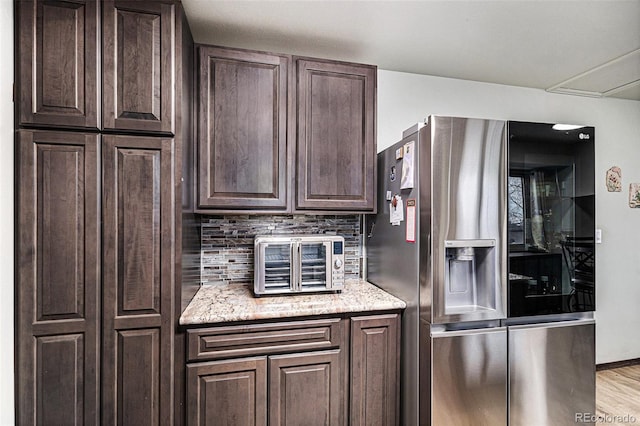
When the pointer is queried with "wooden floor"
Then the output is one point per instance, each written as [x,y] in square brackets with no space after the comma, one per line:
[618,394]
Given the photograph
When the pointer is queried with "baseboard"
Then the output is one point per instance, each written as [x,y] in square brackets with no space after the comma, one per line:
[617,364]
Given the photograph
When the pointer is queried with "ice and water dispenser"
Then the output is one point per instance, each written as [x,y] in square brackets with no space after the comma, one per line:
[469,276]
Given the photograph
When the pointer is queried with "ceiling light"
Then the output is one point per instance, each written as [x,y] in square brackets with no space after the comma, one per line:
[562,127]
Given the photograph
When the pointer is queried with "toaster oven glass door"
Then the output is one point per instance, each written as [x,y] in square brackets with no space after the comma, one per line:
[314,266]
[278,267]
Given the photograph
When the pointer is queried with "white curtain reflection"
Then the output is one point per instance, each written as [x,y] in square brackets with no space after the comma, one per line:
[538,239]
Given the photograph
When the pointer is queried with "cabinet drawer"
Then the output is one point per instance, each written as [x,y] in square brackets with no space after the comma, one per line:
[260,339]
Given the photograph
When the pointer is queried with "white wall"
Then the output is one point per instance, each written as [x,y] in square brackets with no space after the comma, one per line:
[404,99]
[6,214]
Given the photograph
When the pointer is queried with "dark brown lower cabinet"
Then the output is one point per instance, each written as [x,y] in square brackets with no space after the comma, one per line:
[306,389]
[69,305]
[285,379]
[230,392]
[374,360]
[138,280]
[58,278]
[303,389]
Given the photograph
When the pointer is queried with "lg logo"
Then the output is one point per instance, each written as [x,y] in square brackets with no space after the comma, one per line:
[583,136]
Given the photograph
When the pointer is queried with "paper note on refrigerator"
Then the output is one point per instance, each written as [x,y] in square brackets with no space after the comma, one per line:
[411,221]
[396,211]
[408,166]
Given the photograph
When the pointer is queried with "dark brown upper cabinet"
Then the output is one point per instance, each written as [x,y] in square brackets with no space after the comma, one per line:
[138,63]
[275,137]
[68,78]
[336,149]
[59,66]
[242,155]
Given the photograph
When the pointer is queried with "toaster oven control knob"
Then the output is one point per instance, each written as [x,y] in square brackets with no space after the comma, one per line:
[337,264]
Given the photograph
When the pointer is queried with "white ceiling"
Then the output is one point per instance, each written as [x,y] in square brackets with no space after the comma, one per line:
[587,47]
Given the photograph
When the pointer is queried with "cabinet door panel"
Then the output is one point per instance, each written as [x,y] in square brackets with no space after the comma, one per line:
[138,279]
[306,389]
[242,129]
[58,63]
[138,378]
[336,135]
[140,231]
[60,379]
[58,278]
[375,345]
[60,203]
[232,392]
[138,57]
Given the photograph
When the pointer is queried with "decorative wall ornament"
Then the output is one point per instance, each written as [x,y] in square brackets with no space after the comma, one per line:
[614,179]
[634,195]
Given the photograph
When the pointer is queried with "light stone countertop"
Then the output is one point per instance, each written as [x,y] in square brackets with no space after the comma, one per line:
[235,302]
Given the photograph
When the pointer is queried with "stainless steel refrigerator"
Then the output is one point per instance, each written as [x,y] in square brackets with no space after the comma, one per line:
[441,242]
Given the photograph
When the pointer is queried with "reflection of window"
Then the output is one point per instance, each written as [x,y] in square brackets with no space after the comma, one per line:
[516,210]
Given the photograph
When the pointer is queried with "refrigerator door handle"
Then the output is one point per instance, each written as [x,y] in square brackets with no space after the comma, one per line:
[425,254]
[295,266]
[469,243]
[469,332]
[299,265]
[555,324]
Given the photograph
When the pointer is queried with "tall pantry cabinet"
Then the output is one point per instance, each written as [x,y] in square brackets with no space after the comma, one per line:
[102,114]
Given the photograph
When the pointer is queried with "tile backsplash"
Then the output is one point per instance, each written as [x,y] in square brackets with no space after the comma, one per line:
[227,242]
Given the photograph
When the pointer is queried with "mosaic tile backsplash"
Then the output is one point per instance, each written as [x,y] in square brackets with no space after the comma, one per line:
[227,242]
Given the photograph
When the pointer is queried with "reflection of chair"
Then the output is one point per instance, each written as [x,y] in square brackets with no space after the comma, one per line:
[579,258]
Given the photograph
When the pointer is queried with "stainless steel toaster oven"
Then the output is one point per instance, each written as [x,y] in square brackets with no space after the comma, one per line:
[298,264]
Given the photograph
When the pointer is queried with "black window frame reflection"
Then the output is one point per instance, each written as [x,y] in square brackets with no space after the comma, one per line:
[518,244]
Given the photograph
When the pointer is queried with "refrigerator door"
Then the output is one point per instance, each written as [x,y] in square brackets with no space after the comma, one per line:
[551,373]
[469,377]
[468,184]
[393,263]
[551,220]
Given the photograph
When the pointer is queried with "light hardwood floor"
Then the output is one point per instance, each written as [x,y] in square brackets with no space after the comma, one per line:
[618,394]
